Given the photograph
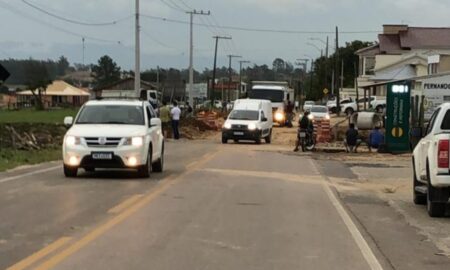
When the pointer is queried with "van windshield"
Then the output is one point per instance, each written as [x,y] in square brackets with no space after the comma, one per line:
[276,96]
[244,115]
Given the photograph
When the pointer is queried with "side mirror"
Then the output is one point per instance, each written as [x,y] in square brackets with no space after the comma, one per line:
[155,122]
[264,119]
[68,121]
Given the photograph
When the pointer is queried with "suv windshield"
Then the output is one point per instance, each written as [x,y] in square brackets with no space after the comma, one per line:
[244,115]
[276,96]
[112,114]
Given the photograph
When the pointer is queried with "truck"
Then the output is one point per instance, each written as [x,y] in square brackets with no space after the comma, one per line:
[431,163]
[152,96]
[278,92]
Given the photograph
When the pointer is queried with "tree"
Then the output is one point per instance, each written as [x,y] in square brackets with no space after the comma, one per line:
[37,81]
[62,66]
[105,72]
[278,65]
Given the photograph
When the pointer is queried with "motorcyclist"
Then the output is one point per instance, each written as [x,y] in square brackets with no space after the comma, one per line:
[305,124]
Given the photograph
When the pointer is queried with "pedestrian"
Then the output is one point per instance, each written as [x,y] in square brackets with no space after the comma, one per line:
[289,113]
[175,113]
[164,114]
[351,139]
[189,110]
[376,138]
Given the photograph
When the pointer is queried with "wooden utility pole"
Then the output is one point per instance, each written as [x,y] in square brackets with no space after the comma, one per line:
[336,68]
[213,83]
[230,73]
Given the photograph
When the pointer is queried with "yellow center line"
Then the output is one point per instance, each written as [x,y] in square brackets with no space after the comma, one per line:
[40,254]
[102,229]
[125,204]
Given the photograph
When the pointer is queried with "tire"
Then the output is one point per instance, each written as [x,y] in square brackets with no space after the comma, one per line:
[144,171]
[349,111]
[268,139]
[418,198]
[158,166]
[303,145]
[70,171]
[333,110]
[434,209]
[224,140]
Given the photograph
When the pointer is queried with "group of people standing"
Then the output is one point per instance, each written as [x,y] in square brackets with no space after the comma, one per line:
[170,118]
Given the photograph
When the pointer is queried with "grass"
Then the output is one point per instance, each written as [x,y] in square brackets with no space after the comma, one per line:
[10,159]
[34,116]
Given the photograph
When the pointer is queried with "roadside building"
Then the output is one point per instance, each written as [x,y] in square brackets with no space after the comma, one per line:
[123,85]
[402,52]
[57,94]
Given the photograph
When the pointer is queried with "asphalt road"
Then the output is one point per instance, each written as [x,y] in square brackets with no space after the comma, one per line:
[215,207]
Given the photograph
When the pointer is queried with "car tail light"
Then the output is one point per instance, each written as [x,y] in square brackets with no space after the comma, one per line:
[443,154]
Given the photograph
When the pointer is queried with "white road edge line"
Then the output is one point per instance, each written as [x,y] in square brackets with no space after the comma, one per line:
[356,234]
[12,178]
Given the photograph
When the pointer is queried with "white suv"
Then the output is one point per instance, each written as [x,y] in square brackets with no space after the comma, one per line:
[119,134]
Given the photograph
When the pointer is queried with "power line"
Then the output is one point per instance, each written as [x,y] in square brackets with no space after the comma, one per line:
[165,45]
[72,20]
[16,11]
[262,30]
[173,5]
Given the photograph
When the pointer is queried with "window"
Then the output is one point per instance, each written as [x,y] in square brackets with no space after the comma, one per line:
[432,68]
[149,115]
[272,95]
[112,114]
[446,122]
[262,115]
[244,115]
[369,66]
[432,121]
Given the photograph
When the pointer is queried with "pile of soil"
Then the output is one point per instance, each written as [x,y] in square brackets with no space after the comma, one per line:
[28,136]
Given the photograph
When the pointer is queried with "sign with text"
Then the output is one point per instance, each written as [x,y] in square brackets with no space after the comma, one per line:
[436,91]
[397,117]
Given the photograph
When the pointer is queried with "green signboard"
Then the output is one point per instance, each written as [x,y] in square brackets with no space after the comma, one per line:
[397,117]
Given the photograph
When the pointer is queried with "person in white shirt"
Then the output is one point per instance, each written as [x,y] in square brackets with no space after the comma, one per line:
[175,113]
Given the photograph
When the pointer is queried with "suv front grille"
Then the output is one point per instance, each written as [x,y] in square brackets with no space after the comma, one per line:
[102,141]
[239,127]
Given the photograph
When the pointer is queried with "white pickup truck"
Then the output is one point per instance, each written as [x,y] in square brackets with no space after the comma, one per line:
[431,164]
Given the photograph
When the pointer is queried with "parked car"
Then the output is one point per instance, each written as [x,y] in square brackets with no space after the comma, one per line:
[308,104]
[431,163]
[250,119]
[119,134]
[332,107]
[319,113]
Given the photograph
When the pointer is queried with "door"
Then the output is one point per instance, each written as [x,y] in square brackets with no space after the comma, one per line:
[264,125]
[424,144]
[153,132]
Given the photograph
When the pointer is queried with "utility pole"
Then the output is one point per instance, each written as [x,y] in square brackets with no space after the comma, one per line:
[230,71]
[213,84]
[191,52]
[304,63]
[84,48]
[311,76]
[326,50]
[240,76]
[336,68]
[137,64]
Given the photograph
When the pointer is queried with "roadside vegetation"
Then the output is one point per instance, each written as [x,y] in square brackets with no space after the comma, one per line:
[36,116]
[10,158]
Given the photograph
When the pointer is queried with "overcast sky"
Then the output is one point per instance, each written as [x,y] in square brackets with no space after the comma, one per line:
[26,32]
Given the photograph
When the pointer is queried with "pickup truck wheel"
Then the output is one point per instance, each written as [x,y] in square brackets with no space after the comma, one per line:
[349,111]
[419,198]
[434,209]
[145,170]
[158,166]
[333,110]
[70,171]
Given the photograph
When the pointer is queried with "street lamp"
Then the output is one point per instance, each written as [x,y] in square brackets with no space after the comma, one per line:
[323,42]
[315,46]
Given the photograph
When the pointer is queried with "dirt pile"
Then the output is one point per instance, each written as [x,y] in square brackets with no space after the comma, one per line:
[28,136]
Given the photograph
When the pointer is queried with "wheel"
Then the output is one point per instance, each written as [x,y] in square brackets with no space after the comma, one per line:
[158,166]
[419,198]
[434,209]
[349,111]
[333,110]
[303,145]
[224,140]
[144,171]
[70,171]
[268,139]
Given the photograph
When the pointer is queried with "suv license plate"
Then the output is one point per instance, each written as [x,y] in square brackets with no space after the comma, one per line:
[239,133]
[104,156]
[302,134]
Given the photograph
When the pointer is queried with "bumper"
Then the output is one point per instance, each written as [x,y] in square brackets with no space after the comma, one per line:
[441,181]
[241,134]
[122,157]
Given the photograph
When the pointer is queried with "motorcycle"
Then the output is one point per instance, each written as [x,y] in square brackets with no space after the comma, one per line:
[307,140]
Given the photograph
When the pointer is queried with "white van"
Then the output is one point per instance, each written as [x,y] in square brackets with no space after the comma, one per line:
[250,120]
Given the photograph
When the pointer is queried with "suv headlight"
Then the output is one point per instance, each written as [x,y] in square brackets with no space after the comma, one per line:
[72,140]
[134,141]
[227,125]
[251,126]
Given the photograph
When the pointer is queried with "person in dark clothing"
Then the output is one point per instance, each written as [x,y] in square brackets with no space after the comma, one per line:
[289,113]
[351,139]
[304,124]
[376,138]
